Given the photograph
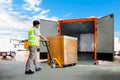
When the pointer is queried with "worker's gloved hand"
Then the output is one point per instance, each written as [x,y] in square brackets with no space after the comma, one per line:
[43,40]
[46,40]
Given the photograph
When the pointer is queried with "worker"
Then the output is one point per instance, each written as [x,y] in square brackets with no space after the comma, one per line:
[34,37]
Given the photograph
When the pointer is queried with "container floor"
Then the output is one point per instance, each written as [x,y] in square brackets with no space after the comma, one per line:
[85,62]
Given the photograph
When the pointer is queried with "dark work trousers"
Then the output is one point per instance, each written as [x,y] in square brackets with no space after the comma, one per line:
[32,58]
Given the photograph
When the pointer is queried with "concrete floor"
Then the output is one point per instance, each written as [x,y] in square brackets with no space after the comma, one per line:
[14,70]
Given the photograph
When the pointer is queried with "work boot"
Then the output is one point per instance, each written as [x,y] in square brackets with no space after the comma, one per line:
[38,69]
[29,72]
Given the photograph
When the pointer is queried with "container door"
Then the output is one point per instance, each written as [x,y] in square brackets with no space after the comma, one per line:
[105,30]
[47,28]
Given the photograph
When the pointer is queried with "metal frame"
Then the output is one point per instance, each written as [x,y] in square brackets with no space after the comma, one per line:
[83,20]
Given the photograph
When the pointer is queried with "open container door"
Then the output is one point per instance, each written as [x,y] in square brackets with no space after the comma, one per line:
[47,28]
[105,50]
[85,30]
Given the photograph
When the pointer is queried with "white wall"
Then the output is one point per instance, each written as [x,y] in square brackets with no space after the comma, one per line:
[86,43]
[116,44]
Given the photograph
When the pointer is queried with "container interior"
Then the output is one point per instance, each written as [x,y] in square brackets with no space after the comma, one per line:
[84,31]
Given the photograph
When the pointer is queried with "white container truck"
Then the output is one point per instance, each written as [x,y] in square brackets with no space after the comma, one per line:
[7,48]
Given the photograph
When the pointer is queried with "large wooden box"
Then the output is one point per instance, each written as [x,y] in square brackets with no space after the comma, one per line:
[64,49]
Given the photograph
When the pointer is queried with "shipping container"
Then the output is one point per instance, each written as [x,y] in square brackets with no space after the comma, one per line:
[95,36]
[85,30]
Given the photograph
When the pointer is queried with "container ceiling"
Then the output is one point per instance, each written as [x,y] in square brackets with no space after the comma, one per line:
[77,28]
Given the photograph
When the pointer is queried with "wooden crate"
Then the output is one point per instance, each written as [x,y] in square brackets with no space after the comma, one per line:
[64,49]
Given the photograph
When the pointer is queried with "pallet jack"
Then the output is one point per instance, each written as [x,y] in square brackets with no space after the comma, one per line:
[52,63]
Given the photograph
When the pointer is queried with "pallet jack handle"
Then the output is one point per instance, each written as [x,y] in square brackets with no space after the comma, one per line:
[52,63]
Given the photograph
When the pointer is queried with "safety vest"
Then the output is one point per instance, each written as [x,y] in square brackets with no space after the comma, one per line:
[33,39]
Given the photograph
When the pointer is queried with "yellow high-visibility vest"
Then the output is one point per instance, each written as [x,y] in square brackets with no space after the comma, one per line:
[33,39]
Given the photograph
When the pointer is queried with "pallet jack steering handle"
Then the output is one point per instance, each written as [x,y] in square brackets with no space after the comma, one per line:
[52,63]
